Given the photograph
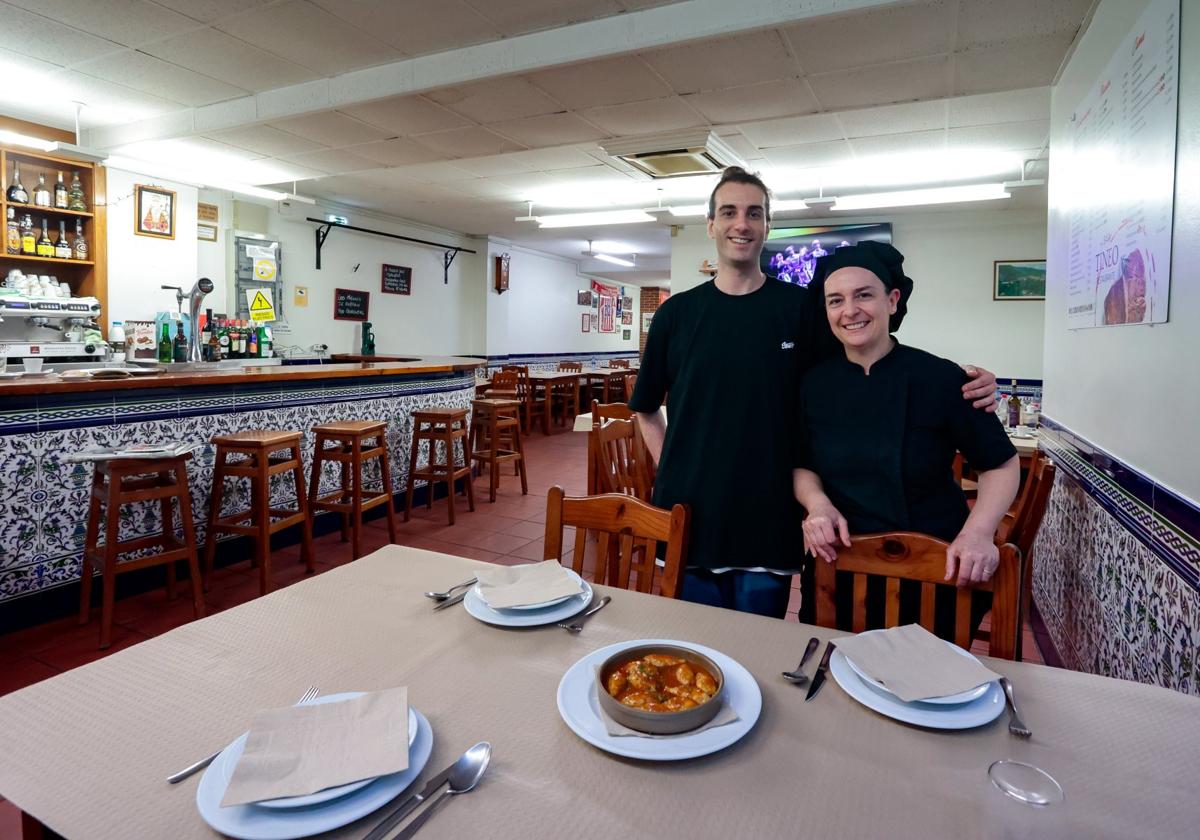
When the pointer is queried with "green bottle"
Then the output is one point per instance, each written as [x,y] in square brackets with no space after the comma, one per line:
[166,350]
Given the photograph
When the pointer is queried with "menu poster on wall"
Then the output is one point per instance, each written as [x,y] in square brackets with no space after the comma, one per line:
[397,279]
[1121,180]
[351,305]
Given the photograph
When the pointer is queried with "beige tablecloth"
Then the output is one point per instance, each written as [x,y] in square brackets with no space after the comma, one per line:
[87,752]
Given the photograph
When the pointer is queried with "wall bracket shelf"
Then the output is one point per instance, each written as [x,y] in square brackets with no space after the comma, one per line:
[450,251]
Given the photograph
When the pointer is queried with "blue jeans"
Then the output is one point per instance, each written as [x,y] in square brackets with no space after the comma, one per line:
[761,593]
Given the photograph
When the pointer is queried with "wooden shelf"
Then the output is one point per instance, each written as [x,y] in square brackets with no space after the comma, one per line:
[26,258]
[52,211]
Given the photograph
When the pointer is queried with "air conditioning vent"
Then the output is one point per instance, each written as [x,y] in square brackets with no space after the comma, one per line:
[674,155]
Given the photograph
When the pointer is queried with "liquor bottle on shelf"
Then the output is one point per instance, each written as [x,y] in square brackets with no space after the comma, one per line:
[60,193]
[76,200]
[13,232]
[80,246]
[1014,408]
[252,342]
[205,334]
[214,344]
[16,192]
[28,237]
[41,193]
[165,350]
[180,348]
[62,248]
[45,248]
[223,340]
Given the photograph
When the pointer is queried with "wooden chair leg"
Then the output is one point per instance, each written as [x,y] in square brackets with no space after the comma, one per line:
[260,512]
[189,540]
[306,544]
[493,441]
[385,479]
[355,468]
[109,573]
[214,513]
[89,544]
[448,441]
[468,478]
[412,468]
[346,495]
[520,447]
[167,513]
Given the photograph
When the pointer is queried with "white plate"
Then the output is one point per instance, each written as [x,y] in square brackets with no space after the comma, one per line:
[580,709]
[250,822]
[962,716]
[948,700]
[341,790]
[478,591]
[528,618]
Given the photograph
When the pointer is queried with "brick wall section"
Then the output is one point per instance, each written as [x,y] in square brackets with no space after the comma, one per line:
[652,298]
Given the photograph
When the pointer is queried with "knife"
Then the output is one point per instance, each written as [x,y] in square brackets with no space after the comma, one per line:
[450,602]
[406,807]
[818,679]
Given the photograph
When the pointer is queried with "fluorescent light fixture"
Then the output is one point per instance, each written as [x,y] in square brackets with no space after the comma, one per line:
[188,177]
[303,199]
[15,139]
[789,204]
[609,258]
[910,198]
[70,150]
[689,210]
[603,217]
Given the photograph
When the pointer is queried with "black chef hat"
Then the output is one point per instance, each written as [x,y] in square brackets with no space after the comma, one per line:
[879,258]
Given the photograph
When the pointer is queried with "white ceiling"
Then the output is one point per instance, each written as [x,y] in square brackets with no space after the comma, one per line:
[241,85]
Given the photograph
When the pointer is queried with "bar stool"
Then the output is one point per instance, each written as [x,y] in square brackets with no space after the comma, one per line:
[119,482]
[492,420]
[257,464]
[447,426]
[354,444]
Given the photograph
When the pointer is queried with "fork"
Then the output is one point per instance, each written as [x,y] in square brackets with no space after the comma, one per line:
[204,762]
[1015,726]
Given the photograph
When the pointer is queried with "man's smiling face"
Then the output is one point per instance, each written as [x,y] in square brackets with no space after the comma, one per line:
[740,224]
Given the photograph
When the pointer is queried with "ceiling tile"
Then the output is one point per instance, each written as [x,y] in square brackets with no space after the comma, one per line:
[612,81]
[787,97]
[1019,135]
[329,128]
[514,17]
[899,144]
[883,84]
[434,173]
[404,116]
[27,33]
[230,60]
[266,140]
[486,188]
[128,22]
[789,132]
[209,11]
[724,62]
[311,37]
[398,152]
[416,27]
[1007,106]
[333,161]
[473,141]
[106,101]
[1029,63]
[807,155]
[987,22]
[648,117]
[495,100]
[548,130]
[874,36]
[894,119]
[160,78]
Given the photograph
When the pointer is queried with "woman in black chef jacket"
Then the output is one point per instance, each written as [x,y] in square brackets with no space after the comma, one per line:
[880,426]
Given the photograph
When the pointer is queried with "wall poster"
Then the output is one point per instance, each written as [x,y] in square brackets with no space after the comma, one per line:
[1121,177]
[608,314]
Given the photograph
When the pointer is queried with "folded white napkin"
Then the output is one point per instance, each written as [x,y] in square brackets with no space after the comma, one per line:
[914,664]
[523,586]
[298,750]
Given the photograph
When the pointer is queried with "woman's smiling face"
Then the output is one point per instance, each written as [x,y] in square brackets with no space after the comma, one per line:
[858,307]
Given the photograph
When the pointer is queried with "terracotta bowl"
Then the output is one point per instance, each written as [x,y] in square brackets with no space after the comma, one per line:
[660,723]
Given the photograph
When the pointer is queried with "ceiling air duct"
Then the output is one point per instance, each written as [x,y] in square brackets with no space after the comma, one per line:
[674,155]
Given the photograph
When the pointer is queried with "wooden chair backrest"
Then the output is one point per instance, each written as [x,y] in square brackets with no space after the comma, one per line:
[505,380]
[618,363]
[1031,505]
[625,524]
[902,555]
[630,382]
[622,463]
[573,367]
[603,412]
[523,387]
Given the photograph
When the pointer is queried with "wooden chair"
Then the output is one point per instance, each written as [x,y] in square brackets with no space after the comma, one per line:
[622,523]
[619,363]
[1023,532]
[496,439]
[630,383]
[907,556]
[504,385]
[601,413]
[623,464]
[572,367]
[533,402]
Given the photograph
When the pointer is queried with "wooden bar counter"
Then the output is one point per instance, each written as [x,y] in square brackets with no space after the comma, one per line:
[44,515]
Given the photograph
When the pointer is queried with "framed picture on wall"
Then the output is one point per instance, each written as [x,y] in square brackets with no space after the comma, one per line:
[625,335]
[647,317]
[585,323]
[1019,280]
[627,318]
[583,297]
[154,212]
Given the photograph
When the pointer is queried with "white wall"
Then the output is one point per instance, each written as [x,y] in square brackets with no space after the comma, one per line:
[1130,390]
[949,255]
[139,265]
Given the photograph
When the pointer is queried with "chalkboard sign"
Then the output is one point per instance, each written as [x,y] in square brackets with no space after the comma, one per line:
[350,305]
[397,279]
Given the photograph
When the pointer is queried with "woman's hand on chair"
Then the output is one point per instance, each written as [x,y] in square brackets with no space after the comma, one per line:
[973,557]
[824,529]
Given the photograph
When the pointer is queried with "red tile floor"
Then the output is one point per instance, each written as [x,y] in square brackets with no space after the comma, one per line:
[510,531]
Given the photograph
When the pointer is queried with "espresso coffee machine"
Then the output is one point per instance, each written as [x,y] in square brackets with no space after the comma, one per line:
[43,321]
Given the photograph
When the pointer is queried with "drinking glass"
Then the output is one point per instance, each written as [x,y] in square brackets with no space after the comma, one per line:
[1025,782]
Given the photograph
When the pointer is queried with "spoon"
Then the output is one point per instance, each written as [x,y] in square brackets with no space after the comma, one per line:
[464,775]
[442,596]
[796,676]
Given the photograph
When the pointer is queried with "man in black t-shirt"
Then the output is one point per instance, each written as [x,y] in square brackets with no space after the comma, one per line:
[731,353]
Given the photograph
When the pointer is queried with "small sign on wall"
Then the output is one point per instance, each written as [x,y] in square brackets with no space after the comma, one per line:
[351,305]
[207,212]
[397,279]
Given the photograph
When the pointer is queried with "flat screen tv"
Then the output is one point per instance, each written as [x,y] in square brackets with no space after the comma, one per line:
[790,254]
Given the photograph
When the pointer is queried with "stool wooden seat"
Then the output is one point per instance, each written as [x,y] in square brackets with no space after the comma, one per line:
[447,426]
[496,439]
[355,443]
[119,482]
[249,455]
